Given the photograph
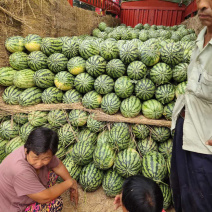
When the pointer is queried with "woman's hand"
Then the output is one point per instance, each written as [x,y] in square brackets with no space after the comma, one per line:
[74,192]
[209,143]
[117,201]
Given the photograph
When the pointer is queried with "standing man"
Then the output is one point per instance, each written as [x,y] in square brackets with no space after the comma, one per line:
[191,165]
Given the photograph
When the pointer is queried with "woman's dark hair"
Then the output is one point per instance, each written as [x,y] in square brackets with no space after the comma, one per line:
[41,140]
[141,194]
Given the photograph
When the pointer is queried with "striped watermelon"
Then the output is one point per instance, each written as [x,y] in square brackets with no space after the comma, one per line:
[115,68]
[120,124]
[76,65]
[24,78]
[120,43]
[95,65]
[109,50]
[102,26]
[30,96]
[13,144]
[143,35]
[167,195]
[95,32]
[146,145]
[64,80]
[168,164]
[44,78]
[67,135]
[52,95]
[139,26]
[7,76]
[15,44]
[160,134]
[130,107]
[11,95]
[152,109]
[38,118]
[57,62]
[18,60]
[73,169]
[90,178]
[78,118]
[180,72]
[112,183]
[84,83]
[103,157]
[88,48]
[71,48]
[144,89]
[92,100]
[20,118]
[110,103]
[165,93]
[32,42]
[165,148]
[123,87]
[119,137]
[51,45]
[136,70]
[2,149]
[57,118]
[161,73]
[85,135]
[104,84]
[37,60]
[127,163]
[103,137]
[149,55]
[61,152]
[72,96]
[181,88]
[9,130]
[140,131]
[25,130]
[94,125]
[167,110]
[82,153]
[154,166]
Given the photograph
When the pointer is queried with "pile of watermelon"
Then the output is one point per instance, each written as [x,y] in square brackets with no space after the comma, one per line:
[97,153]
[138,70]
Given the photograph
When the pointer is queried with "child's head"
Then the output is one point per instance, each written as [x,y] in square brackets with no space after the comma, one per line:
[140,194]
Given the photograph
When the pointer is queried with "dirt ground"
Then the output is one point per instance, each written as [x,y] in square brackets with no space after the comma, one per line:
[91,202]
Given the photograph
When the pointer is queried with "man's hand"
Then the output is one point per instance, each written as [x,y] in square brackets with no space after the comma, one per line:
[117,201]
[209,142]
[74,193]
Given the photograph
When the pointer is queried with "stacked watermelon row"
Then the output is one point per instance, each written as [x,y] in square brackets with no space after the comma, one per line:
[131,70]
[94,153]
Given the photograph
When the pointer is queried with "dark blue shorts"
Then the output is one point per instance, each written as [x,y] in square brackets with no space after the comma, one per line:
[191,177]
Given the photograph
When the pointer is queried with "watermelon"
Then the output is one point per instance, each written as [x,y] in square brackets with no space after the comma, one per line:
[44,78]
[32,42]
[136,70]
[143,35]
[103,137]
[64,80]
[20,118]
[84,83]
[11,95]
[165,148]
[161,73]
[24,78]
[104,84]
[110,103]
[95,32]
[78,118]
[18,60]
[90,178]
[123,87]
[181,88]
[167,195]
[167,111]
[112,183]
[38,118]
[92,100]
[127,163]
[88,48]
[121,124]
[94,125]
[57,62]
[154,166]
[8,130]
[95,65]
[139,26]
[7,76]
[146,145]
[152,109]
[140,131]
[76,65]
[37,60]
[160,134]
[57,118]
[180,72]
[144,89]
[51,45]
[130,107]
[103,157]
[71,48]
[13,144]
[30,96]
[52,95]
[165,93]
[119,137]
[85,135]
[115,68]
[102,26]
[25,130]
[72,96]
[2,149]
[61,153]
[15,44]
[109,50]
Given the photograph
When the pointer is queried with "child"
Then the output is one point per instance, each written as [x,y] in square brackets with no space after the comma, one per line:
[140,194]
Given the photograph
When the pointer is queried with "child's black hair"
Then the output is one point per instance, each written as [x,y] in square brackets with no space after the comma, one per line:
[141,194]
[41,140]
